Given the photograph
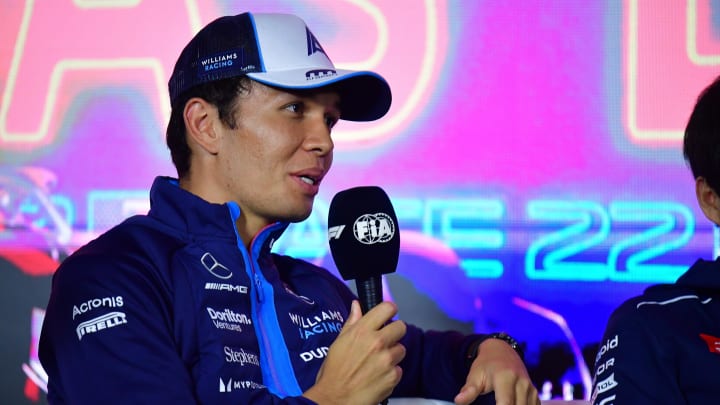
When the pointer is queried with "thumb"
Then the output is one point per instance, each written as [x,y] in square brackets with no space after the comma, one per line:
[467,394]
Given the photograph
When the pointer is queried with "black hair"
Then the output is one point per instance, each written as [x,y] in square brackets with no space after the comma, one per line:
[701,144]
[223,94]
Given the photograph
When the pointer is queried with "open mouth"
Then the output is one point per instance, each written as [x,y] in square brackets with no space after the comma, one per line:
[308,180]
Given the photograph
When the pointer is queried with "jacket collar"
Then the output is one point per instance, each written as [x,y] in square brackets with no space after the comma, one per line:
[196,218]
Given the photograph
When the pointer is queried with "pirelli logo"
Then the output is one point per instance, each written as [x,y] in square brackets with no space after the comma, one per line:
[102,322]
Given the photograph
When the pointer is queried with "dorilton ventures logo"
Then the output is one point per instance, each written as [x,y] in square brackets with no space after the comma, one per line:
[228,319]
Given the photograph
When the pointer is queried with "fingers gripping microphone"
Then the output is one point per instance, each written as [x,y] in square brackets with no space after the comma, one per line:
[364,240]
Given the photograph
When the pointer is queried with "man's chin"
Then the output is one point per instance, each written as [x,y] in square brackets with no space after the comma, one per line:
[296,217]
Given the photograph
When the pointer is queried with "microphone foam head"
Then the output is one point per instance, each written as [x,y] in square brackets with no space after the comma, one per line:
[363,233]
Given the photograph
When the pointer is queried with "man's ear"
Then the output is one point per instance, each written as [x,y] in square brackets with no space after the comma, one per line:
[200,116]
[708,200]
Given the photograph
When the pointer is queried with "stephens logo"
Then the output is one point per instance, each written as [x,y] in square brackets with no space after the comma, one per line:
[374,228]
[106,321]
[240,356]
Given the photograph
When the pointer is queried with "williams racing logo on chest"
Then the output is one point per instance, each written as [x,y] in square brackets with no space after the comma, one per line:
[320,323]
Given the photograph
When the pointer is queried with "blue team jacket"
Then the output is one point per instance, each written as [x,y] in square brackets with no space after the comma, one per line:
[170,307]
[663,347]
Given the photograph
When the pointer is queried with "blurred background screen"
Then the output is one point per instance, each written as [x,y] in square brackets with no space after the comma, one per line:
[532,153]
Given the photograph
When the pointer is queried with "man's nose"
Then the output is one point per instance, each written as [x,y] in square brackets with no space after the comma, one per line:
[318,138]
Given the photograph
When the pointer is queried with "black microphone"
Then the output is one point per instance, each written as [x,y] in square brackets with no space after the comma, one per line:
[364,240]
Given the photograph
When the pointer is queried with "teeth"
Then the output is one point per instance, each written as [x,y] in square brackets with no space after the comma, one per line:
[307,180]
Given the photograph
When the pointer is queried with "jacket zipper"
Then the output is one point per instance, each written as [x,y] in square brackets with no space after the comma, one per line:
[260,298]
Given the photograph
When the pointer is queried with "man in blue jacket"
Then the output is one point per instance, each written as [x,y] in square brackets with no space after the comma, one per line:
[663,347]
[188,305]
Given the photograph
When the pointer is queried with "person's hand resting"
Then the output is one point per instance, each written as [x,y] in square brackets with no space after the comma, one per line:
[361,366]
[498,368]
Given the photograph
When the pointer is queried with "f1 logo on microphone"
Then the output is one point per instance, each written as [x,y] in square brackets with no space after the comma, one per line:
[335,231]
[374,228]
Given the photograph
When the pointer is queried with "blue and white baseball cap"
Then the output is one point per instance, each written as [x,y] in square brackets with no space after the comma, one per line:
[278,50]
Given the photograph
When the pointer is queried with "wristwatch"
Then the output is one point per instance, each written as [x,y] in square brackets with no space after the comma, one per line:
[473,350]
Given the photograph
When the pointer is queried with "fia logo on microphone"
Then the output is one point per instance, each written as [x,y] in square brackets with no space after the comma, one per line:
[374,228]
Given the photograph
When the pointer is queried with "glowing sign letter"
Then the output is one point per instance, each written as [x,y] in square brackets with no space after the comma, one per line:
[103,40]
[670,39]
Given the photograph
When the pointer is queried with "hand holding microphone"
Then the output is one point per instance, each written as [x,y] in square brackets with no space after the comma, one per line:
[361,365]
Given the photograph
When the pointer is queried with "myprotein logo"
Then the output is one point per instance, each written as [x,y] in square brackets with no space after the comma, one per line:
[107,302]
[374,228]
[215,268]
[229,385]
[101,323]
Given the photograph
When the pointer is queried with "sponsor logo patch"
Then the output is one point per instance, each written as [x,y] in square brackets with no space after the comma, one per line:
[606,384]
[318,353]
[214,267]
[609,345]
[324,322]
[107,302]
[228,319]
[107,321]
[240,356]
[229,385]
[712,342]
[319,74]
[240,289]
[220,61]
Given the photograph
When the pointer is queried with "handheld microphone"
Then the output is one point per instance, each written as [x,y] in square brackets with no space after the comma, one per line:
[364,240]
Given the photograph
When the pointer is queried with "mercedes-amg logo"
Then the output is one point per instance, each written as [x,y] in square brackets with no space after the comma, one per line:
[214,267]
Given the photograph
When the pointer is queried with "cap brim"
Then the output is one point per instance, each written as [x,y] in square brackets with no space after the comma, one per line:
[364,95]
